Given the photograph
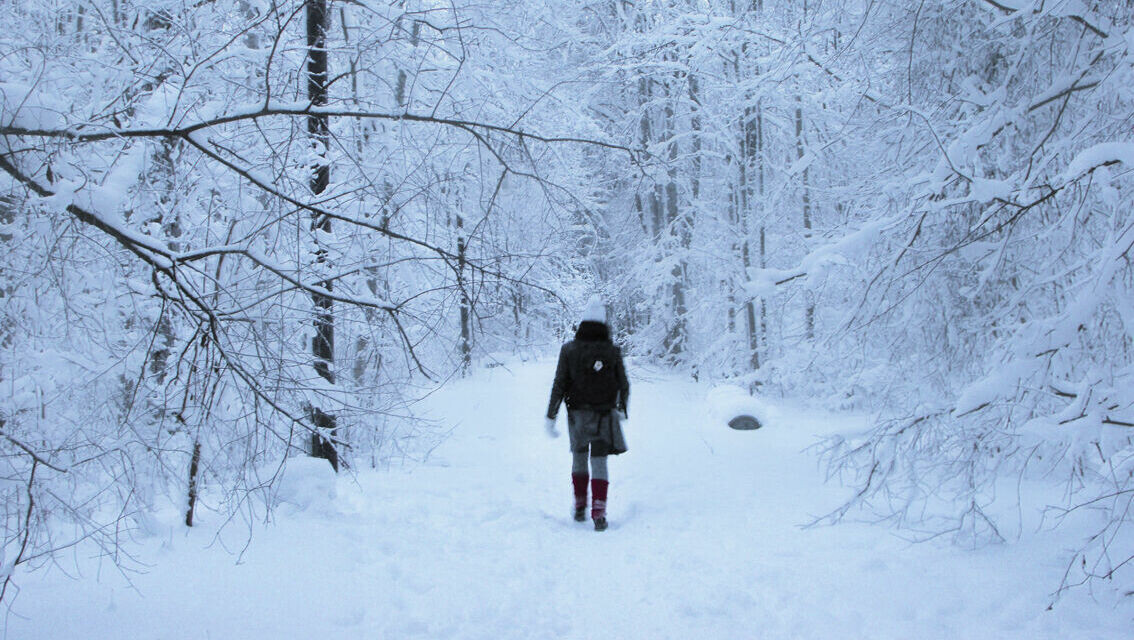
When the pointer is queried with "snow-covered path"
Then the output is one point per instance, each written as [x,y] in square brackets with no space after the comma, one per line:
[478,543]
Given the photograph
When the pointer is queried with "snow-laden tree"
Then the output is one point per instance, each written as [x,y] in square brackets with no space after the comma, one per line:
[234,229]
[748,169]
[918,209]
[995,306]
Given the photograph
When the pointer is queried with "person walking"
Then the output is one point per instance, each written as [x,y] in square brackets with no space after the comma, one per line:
[591,378]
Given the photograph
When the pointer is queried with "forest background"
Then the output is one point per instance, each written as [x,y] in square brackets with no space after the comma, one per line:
[238,230]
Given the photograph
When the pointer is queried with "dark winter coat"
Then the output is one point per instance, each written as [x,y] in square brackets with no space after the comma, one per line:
[591,338]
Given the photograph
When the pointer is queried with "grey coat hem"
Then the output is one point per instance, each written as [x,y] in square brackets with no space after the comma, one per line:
[600,432]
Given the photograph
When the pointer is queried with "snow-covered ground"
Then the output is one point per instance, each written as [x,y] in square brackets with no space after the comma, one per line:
[478,543]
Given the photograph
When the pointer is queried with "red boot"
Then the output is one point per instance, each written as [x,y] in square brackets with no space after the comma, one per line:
[579,481]
[598,507]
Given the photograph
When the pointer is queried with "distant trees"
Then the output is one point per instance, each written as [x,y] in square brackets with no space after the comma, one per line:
[919,209]
[735,113]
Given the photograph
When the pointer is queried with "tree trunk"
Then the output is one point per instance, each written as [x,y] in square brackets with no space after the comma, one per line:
[752,207]
[194,463]
[323,344]
[466,307]
[163,183]
[678,223]
[806,198]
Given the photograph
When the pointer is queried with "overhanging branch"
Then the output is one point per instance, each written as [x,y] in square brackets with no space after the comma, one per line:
[78,134]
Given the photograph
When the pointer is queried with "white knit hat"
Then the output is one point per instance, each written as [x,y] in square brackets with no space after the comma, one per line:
[595,311]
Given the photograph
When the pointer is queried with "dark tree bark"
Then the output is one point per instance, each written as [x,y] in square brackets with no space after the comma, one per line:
[323,344]
[466,303]
[193,467]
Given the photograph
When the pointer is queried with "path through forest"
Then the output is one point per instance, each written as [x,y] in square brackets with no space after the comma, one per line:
[477,542]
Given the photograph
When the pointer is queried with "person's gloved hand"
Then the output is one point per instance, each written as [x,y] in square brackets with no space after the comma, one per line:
[549,424]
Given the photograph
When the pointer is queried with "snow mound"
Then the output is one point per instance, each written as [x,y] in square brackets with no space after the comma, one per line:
[306,484]
[728,402]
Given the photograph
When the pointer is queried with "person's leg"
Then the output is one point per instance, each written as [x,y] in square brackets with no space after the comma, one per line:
[599,484]
[598,468]
[579,482]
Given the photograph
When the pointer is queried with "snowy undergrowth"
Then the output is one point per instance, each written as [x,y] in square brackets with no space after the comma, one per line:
[477,542]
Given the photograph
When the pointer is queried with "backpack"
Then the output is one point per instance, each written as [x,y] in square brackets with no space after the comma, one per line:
[595,383]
